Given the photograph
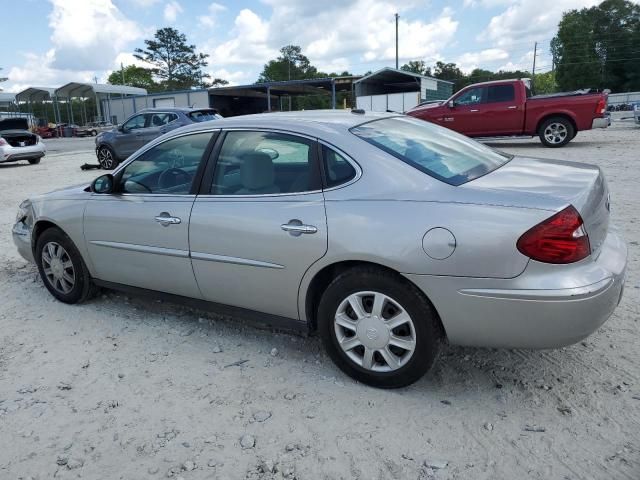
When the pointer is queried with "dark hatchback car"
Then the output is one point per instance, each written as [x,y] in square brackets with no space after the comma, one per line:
[114,146]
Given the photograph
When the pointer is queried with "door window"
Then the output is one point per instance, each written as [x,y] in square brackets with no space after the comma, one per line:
[167,168]
[260,163]
[337,169]
[501,93]
[473,96]
[134,123]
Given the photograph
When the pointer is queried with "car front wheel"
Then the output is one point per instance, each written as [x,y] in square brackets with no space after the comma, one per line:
[61,267]
[378,328]
[106,158]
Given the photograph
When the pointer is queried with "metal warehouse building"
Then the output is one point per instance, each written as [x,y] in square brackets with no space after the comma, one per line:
[398,90]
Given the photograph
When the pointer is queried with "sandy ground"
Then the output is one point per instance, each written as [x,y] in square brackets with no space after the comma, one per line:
[128,388]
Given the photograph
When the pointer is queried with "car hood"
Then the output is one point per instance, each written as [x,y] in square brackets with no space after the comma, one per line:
[73,192]
[422,108]
[14,124]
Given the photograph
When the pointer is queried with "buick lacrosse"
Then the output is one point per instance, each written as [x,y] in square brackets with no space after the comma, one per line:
[385,234]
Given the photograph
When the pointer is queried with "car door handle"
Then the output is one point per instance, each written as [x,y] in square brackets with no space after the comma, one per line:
[296,228]
[165,219]
[512,107]
[475,110]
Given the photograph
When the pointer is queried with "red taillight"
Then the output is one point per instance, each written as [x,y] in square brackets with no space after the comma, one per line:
[601,107]
[559,239]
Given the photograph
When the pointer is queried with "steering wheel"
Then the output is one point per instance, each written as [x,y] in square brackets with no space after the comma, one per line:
[172,177]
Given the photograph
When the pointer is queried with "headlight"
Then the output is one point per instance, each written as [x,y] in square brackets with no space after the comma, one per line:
[24,211]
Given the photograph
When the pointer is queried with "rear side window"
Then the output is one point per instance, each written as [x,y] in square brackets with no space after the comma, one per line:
[337,169]
[436,151]
[203,115]
[501,93]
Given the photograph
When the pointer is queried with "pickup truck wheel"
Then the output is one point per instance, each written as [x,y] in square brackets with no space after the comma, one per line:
[378,328]
[106,158]
[556,132]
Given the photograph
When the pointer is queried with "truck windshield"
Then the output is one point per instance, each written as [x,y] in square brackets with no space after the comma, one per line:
[436,151]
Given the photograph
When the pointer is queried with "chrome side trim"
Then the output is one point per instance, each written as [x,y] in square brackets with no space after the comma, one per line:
[171,252]
[209,257]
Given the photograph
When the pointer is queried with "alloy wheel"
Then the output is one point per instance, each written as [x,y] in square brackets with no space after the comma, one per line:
[58,268]
[555,133]
[105,157]
[375,331]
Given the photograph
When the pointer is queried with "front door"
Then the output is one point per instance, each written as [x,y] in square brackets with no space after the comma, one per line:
[139,236]
[466,116]
[262,223]
[131,135]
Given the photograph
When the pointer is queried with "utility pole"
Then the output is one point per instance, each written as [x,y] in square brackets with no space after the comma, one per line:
[122,71]
[533,72]
[397,17]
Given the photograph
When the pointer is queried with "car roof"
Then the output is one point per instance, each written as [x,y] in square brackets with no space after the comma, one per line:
[172,109]
[312,122]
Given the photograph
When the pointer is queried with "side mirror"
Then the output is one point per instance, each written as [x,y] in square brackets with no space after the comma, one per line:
[121,128]
[103,184]
[451,104]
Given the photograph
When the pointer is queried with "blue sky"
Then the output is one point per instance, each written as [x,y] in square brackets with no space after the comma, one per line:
[51,42]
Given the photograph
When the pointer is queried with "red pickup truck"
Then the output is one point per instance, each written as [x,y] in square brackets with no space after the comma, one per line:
[505,108]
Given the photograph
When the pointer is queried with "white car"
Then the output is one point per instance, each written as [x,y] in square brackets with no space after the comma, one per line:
[18,143]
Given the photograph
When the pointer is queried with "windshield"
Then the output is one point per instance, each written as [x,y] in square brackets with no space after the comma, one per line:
[204,115]
[436,151]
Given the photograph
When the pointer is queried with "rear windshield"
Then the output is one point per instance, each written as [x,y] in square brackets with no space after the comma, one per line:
[203,115]
[436,151]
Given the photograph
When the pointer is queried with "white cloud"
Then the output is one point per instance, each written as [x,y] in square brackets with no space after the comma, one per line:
[525,20]
[209,20]
[470,60]
[88,33]
[234,77]
[171,11]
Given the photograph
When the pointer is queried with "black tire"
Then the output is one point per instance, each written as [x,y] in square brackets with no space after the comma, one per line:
[93,133]
[425,321]
[83,288]
[106,157]
[34,161]
[556,132]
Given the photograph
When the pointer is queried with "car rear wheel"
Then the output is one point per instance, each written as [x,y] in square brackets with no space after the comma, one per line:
[556,132]
[61,267]
[378,328]
[106,158]
[34,161]
[93,133]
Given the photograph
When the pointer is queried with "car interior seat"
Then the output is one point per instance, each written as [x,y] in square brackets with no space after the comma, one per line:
[257,174]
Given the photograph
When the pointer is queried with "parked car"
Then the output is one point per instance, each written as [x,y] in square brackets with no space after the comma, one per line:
[93,128]
[636,112]
[47,131]
[18,143]
[386,234]
[112,147]
[505,108]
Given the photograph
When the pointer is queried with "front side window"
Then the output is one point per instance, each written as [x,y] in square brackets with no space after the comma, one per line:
[135,123]
[501,93]
[260,163]
[337,169]
[167,168]
[473,96]
[436,151]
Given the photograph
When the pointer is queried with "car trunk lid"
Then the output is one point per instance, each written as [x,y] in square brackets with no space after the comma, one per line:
[14,124]
[552,184]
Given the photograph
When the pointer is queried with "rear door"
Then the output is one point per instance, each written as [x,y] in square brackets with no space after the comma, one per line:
[260,223]
[140,235]
[502,111]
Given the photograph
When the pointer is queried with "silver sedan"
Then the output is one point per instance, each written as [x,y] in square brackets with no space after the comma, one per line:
[385,234]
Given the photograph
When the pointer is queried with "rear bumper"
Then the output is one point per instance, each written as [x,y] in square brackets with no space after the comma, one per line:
[14,154]
[600,123]
[544,307]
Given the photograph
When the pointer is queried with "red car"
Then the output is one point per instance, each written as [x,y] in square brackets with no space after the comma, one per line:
[505,108]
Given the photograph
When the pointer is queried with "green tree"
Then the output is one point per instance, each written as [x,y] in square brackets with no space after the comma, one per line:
[175,62]
[136,77]
[451,73]
[417,66]
[2,79]
[598,47]
[292,64]
[545,83]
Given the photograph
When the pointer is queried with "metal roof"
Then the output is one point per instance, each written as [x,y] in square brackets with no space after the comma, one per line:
[286,87]
[387,74]
[7,98]
[74,89]
[35,94]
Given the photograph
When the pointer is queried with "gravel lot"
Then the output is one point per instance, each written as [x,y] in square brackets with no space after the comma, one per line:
[132,388]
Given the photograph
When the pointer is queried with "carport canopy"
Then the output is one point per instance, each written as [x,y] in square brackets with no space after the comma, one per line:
[36,94]
[86,90]
[7,99]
